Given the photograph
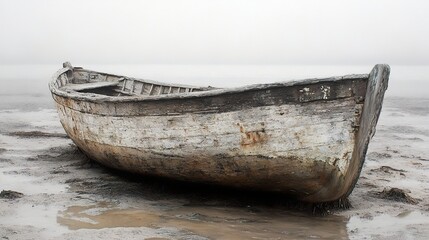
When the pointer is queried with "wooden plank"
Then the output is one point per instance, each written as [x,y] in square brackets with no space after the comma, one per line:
[132,86]
[226,102]
[124,92]
[377,85]
[87,86]
[142,90]
[151,89]
[125,83]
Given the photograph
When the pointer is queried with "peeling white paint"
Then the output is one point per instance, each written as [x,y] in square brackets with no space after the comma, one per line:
[326,90]
[306,89]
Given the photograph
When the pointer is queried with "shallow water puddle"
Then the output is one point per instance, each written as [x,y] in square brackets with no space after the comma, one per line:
[15,178]
[406,225]
[207,221]
[38,216]
[238,223]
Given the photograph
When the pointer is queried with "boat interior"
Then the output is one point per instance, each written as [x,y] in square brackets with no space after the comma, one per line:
[86,81]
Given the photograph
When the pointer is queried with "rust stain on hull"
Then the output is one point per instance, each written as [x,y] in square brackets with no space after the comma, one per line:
[252,138]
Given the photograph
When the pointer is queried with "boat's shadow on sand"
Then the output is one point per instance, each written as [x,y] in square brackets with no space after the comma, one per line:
[113,182]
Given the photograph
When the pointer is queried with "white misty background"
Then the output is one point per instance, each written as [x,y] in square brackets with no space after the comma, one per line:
[221,43]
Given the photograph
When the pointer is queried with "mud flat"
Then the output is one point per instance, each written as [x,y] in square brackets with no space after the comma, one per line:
[57,193]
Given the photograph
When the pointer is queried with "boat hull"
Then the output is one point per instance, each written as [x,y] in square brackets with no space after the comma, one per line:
[300,140]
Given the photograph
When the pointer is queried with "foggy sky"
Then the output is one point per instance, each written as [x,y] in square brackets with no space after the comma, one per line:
[214,32]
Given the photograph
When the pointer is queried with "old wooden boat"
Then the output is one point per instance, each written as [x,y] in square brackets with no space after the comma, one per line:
[305,138]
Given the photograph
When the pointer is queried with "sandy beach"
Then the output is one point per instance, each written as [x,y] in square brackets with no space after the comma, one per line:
[50,190]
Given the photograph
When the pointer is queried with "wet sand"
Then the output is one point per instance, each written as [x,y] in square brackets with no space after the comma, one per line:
[67,196]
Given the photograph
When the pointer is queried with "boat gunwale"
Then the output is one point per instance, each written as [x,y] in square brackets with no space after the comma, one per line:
[150,81]
[92,97]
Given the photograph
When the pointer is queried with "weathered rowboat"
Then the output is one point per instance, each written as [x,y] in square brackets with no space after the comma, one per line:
[306,138]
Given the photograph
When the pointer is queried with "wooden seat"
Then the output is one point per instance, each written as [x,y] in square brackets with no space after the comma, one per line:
[87,86]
